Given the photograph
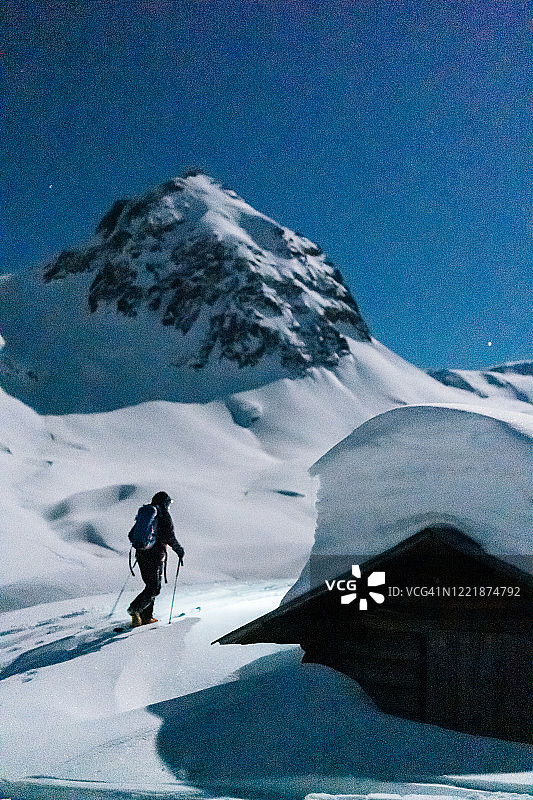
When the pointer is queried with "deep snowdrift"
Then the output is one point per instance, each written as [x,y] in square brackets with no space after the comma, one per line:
[159,712]
[418,466]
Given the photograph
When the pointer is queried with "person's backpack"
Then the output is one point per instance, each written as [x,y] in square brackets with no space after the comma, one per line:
[144,532]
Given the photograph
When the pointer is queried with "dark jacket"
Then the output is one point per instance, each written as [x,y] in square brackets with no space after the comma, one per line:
[165,536]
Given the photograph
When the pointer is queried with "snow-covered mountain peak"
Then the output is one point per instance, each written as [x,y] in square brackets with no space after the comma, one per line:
[200,295]
[192,253]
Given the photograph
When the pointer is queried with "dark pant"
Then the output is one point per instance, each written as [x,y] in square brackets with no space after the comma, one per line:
[151,567]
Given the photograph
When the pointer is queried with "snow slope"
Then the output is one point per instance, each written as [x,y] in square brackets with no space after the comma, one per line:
[159,712]
[507,381]
[236,467]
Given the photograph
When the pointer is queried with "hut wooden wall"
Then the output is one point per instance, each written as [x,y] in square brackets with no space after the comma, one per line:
[468,680]
[480,682]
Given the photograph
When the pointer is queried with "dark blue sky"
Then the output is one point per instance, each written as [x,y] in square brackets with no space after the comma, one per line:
[392,133]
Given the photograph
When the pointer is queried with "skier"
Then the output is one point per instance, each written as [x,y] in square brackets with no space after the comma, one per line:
[151,562]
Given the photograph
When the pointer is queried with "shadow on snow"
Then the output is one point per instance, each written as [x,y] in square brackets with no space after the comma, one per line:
[283,724]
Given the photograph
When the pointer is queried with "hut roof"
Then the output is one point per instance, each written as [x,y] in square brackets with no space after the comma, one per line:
[419,468]
[258,629]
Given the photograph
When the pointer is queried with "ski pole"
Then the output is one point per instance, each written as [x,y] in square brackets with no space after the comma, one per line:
[119,596]
[174,592]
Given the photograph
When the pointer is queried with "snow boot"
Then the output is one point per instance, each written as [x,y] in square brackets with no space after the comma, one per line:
[136,620]
[149,621]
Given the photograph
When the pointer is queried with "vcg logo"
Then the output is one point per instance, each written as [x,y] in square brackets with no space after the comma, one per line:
[349,586]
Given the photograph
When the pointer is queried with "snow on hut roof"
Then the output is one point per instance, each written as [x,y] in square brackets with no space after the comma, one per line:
[417,466]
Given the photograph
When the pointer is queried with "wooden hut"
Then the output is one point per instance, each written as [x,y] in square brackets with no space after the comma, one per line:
[437,498]
[459,656]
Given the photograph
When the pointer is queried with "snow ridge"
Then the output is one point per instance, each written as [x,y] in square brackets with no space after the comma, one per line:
[511,380]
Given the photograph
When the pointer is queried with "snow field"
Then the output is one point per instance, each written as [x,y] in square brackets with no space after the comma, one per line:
[90,712]
[160,712]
